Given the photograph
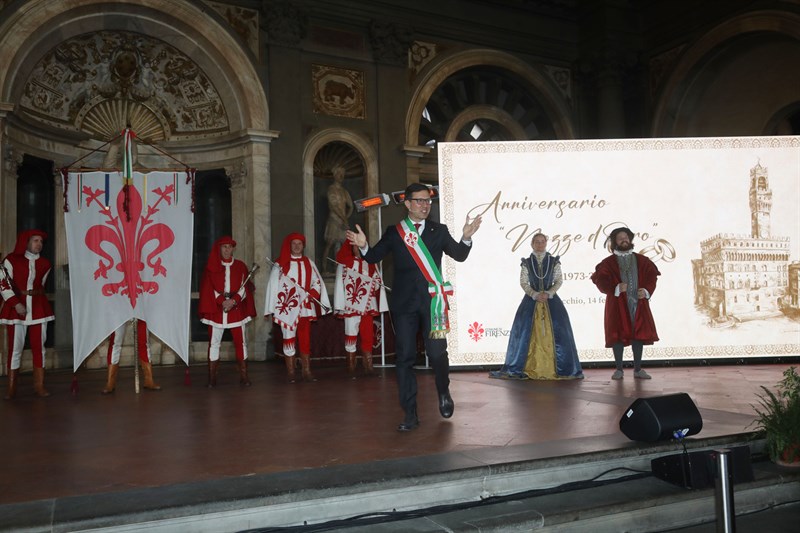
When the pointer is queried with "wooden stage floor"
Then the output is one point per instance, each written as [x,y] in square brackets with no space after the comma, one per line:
[68,445]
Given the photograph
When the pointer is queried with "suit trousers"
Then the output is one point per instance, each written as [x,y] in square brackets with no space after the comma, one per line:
[406,326]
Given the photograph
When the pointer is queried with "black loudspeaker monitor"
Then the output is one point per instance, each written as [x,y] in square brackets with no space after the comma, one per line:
[698,470]
[661,418]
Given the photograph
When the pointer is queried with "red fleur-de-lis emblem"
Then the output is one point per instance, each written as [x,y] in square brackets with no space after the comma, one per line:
[287,300]
[476,331]
[411,239]
[356,290]
[129,235]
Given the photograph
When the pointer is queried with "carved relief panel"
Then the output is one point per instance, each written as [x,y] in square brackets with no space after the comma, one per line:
[338,91]
[98,82]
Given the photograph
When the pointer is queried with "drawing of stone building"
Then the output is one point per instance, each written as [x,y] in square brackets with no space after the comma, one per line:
[791,301]
[744,277]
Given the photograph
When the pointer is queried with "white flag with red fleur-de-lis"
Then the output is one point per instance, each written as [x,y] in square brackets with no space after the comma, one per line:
[130,255]
[285,299]
[353,290]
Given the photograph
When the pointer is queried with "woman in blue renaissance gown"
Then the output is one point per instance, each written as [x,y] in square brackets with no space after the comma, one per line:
[541,344]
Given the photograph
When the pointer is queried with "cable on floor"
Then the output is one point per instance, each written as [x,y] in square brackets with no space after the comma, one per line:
[395,516]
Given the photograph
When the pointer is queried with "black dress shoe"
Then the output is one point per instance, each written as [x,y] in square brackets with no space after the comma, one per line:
[411,421]
[446,405]
[408,425]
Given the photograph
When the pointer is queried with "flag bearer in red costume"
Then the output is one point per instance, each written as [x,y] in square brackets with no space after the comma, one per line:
[226,302]
[143,349]
[358,296]
[294,293]
[25,308]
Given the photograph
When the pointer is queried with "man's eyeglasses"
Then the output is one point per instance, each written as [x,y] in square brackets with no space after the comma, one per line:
[421,201]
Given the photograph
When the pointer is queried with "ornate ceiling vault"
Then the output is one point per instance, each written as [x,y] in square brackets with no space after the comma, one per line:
[100,82]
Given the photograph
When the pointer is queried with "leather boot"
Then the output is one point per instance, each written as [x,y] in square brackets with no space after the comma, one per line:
[212,373]
[351,364]
[243,379]
[147,373]
[111,382]
[290,368]
[305,364]
[38,383]
[366,359]
[12,384]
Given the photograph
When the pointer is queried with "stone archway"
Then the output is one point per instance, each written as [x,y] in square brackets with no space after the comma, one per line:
[436,73]
[493,113]
[500,70]
[175,68]
[716,59]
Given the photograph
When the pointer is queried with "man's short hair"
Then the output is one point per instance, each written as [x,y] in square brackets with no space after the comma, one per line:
[415,187]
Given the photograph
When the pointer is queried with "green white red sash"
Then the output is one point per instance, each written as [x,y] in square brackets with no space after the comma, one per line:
[437,287]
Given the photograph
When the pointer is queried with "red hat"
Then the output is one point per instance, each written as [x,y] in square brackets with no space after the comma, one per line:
[286,250]
[214,263]
[345,254]
[22,240]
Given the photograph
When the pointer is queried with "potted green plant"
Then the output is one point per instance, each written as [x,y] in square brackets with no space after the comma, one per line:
[778,417]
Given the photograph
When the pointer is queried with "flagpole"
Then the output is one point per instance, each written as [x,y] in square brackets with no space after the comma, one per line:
[383,330]
[135,355]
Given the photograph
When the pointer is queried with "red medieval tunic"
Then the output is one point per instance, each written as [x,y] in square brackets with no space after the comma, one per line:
[216,283]
[29,273]
[619,327]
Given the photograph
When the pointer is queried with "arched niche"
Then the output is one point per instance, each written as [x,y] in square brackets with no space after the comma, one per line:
[28,33]
[368,155]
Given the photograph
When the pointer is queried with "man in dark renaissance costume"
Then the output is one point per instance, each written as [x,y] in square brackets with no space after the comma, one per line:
[628,280]
[25,308]
[541,344]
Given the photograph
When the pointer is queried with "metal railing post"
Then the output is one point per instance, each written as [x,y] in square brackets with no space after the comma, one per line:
[723,493]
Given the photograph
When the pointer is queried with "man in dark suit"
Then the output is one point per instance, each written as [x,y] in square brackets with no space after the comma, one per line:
[417,245]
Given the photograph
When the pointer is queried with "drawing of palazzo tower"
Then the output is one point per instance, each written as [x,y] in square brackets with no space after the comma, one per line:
[744,277]
[760,202]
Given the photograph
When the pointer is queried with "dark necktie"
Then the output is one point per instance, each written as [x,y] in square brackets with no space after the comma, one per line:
[416,227]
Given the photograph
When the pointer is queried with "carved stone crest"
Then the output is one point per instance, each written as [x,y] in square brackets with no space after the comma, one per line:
[338,91]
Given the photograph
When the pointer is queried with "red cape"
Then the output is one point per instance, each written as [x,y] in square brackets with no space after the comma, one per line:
[617,317]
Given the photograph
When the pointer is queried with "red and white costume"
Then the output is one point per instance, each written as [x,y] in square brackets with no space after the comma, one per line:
[24,284]
[223,280]
[358,296]
[115,342]
[303,273]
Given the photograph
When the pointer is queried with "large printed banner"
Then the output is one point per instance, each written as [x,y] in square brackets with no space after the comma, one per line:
[130,254]
[719,216]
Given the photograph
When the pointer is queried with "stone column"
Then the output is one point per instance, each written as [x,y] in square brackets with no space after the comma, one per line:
[251,212]
[611,111]
[259,162]
[62,353]
[8,181]
[7,192]
[414,155]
